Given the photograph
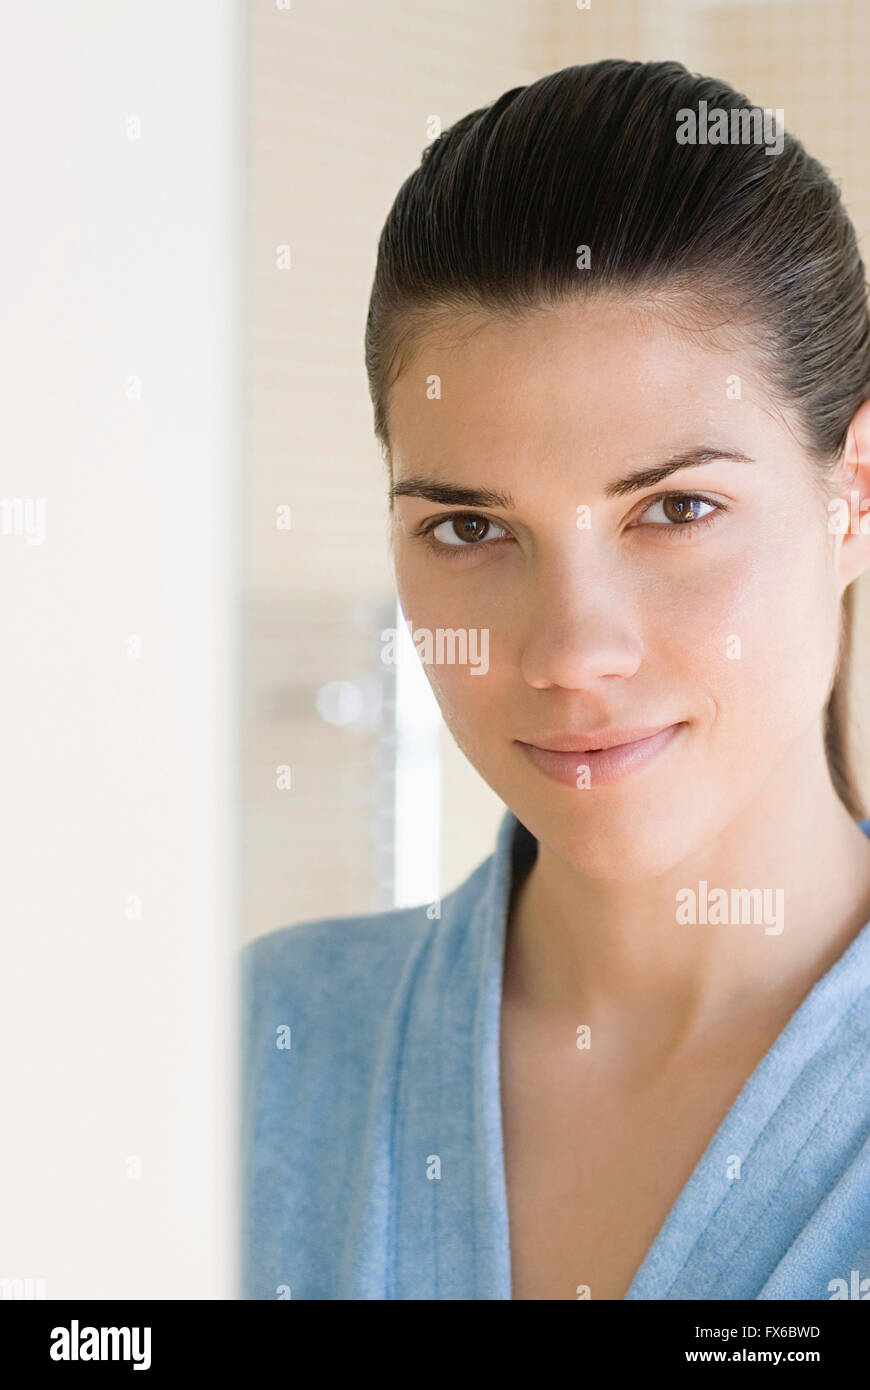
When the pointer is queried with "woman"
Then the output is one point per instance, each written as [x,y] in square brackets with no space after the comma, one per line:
[621,382]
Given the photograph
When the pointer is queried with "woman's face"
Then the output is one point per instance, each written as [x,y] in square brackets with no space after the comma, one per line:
[603,608]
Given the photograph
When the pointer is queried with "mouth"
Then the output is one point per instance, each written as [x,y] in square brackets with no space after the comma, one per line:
[577,761]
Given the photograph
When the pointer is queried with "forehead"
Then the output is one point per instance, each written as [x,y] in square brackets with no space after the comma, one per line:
[594,376]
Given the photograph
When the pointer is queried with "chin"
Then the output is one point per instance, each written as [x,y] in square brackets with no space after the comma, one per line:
[623,842]
[630,861]
[637,864]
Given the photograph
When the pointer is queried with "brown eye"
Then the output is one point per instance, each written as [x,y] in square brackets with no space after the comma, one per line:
[469,528]
[682,508]
[681,511]
[463,531]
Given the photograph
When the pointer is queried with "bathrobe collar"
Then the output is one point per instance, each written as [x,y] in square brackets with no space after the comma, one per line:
[725,1237]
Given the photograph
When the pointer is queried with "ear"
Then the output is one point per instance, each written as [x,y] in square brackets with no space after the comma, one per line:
[852,509]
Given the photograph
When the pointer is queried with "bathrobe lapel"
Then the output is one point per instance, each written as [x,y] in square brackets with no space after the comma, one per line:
[777,1207]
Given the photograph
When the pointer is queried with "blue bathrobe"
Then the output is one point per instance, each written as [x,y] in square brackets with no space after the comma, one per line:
[372,1159]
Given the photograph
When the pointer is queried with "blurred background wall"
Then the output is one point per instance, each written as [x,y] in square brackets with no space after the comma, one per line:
[355,795]
[120,361]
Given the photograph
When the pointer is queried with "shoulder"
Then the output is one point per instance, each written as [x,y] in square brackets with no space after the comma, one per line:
[328,956]
[358,962]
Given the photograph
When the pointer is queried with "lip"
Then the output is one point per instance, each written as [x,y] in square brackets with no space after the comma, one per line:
[621,751]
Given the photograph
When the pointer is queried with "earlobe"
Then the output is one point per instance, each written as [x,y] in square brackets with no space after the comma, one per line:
[849,511]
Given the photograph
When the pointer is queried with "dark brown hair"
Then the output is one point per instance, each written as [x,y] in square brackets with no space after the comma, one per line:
[588,156]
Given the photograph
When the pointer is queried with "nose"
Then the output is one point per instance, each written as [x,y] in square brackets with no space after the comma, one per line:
[580,629]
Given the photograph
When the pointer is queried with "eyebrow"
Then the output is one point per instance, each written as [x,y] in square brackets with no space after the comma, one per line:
[452,495]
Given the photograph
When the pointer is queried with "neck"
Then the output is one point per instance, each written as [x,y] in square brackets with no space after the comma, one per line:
[586,949]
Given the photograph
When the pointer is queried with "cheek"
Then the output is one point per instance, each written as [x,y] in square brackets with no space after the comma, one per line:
[475,707]
[492,601]
[433,602]
[755,633]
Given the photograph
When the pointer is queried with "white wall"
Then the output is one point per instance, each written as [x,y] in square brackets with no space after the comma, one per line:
[119,369]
